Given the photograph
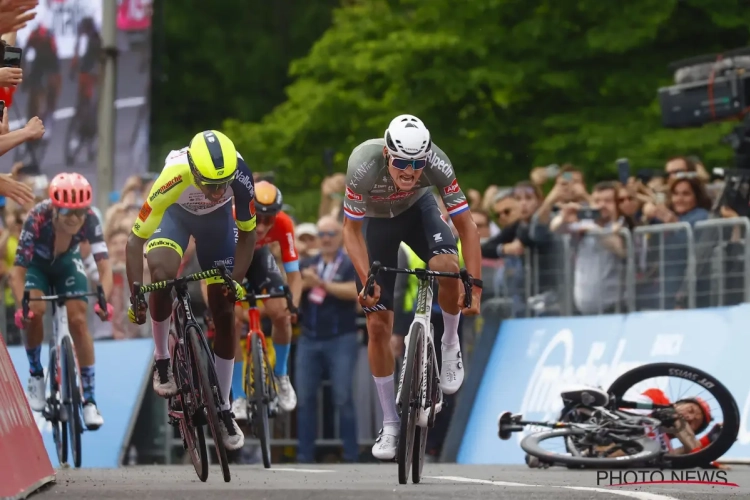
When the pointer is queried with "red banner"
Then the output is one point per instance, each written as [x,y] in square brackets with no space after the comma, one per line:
[24,464]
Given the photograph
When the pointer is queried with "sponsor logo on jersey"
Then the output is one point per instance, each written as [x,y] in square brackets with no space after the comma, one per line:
[252,208]
[145,211]
[162,243]
[352,195]
[290,241]
[137,226]
[437,163]
[394,197]
[360,172]
[452,188]
[247,181]
[166,187]
[229,261]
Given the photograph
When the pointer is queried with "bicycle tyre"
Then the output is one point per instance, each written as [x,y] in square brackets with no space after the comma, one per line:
[729,409]
[420,436]
[75,427]
[192,435]
[260,374]
[531,444]
[59,428]
[411,386]
[210,401]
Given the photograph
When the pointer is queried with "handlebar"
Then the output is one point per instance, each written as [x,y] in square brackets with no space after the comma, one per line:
[62,297]
[463,275]
[251,298]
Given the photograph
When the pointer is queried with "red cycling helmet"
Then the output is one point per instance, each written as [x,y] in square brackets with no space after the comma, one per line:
[705,409]
[70,191]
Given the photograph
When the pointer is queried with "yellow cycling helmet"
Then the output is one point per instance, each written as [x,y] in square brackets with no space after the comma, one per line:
[212,158]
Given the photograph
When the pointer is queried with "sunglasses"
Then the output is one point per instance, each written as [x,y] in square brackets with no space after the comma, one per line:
[330,234]
[402,164]
[67,212]
[506,211]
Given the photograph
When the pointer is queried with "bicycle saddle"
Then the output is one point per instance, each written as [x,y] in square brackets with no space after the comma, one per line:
[585,395]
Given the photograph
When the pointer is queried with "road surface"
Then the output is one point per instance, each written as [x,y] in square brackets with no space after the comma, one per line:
[369,482]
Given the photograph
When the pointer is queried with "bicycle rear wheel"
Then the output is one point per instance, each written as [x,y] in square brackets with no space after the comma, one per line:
[202,360]
[260,395]
[427,405]
[59,428]
[644,450]
[410,392]
[188,386]
[73,401]
[705,382]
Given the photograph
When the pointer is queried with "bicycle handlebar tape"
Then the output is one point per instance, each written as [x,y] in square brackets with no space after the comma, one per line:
[374,269]
[102,298]
[466,280]
[25,303]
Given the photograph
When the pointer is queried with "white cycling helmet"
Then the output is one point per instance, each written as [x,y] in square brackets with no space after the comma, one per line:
[407,137]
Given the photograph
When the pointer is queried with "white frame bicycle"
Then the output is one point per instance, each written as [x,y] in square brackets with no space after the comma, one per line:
[64,408]
[423,378]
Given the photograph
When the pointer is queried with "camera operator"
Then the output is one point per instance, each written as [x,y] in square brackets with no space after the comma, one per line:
[599,250]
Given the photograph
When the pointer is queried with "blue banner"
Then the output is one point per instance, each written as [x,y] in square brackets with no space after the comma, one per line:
[121,368]
[533,360]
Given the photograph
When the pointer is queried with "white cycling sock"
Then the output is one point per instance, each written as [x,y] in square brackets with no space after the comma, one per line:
[161,338]
[224,368]
[450,330]
[387,396]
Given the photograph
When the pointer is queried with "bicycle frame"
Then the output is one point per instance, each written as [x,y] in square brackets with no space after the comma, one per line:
[422,317]
[61,331]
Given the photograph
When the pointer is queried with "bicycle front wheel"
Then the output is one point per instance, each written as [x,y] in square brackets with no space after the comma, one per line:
[409,403]
[640,450]
[426,405]
[59,428]
[202,360]
[73,401]
[260,390]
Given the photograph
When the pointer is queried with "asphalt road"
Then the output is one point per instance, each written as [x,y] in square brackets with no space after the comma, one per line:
[370,482]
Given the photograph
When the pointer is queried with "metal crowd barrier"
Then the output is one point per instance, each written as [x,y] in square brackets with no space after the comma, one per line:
[666,266]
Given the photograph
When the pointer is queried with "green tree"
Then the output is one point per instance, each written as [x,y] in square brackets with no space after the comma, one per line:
[226,58]
[503,85]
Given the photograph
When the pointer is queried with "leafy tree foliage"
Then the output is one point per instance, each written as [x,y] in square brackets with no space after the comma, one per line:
[503,85]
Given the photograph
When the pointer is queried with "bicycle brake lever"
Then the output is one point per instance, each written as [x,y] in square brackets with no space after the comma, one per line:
[25,304]
[370,286]
[466,280]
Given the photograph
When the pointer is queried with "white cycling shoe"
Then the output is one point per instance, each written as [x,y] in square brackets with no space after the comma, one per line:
[287,396]
[36,392]
[91,416]
[163,382]
[387,443]
[231,434]
[239,409]
[452,369]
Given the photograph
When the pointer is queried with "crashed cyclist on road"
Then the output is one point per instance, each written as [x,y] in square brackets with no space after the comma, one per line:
[388,200]
[193,197]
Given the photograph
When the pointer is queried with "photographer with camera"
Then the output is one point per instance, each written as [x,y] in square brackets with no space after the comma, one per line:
[599,250]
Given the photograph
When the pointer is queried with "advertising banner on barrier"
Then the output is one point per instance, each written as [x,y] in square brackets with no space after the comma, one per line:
[24,465]
[534,359]
[122,367]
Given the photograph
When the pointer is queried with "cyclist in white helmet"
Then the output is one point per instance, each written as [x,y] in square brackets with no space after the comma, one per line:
[388,200]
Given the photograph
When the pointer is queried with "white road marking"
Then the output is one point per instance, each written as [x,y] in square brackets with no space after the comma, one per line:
[481,481]
[290,469]
[639,495]
[64,113]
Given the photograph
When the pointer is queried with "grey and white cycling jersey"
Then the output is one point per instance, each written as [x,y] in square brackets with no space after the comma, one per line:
[370,191]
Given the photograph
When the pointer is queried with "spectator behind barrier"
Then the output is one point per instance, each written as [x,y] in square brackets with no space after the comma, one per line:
[328,341]
[306,235]
[687,201]
[599,251]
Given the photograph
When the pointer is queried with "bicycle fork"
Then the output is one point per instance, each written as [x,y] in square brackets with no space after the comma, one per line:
[427,402]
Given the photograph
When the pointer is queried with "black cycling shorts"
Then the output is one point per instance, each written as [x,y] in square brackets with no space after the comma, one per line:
[264,274]
[421,227]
